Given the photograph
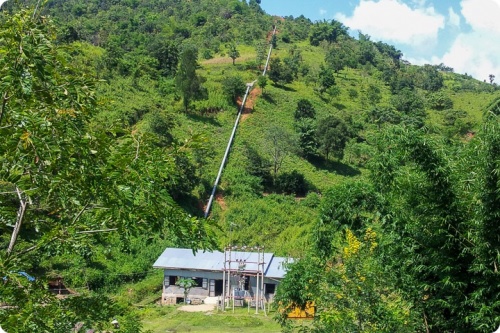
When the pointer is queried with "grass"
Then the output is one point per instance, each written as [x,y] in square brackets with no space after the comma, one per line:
[164,319]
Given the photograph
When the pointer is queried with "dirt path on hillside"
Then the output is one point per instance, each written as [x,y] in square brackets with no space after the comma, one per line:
[225,60]
[250,103]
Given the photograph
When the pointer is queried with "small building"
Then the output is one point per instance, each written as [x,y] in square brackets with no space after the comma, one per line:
[56,286]
[240,275]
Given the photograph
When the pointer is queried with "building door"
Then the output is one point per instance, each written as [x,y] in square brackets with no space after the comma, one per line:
[211,290]
[218,287]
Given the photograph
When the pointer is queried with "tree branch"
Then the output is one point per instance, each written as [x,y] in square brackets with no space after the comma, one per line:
[34,247]
[20,215]
[4,103]
[96,231]
[77,217]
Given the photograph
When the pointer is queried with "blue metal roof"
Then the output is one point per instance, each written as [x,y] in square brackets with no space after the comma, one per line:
[173,258]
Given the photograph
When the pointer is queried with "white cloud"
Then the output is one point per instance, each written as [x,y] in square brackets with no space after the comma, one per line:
[453,18]
[476,52]
[395,21]
[322,12]
[482,14]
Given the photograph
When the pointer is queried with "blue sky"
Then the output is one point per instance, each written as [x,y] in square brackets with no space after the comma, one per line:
[463,34]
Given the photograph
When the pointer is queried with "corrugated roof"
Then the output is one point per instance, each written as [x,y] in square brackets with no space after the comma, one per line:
[185,259]
[173,258]
[276,268]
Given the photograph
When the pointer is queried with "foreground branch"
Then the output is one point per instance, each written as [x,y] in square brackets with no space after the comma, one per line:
[4,103]
[19,220]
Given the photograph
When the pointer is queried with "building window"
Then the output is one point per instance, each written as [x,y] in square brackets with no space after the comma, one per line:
[199,282]
[270,288]
[172,280]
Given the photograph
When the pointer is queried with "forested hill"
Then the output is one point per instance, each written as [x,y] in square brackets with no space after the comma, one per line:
[381,175]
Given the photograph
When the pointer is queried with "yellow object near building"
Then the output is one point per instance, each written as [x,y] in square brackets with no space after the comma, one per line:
[306,313]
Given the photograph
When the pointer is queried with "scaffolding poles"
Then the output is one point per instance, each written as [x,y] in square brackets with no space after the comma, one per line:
[234,267]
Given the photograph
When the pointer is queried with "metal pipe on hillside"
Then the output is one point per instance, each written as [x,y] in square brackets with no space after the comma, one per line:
[269,54]
[229,144]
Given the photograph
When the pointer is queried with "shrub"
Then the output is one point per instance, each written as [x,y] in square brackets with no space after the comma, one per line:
[439,101]
[291,183]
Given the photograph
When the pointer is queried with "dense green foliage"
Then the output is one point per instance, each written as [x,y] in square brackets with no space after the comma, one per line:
[382,176]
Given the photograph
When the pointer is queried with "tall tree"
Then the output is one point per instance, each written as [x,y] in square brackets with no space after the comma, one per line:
[440,229]
[304,110]
[279,73]
[260,50]
[341,55]
[166,53]
[279,145]
[233,87]
[326,79]
[329,31]
[332,135]
[187,80]
[233,52]
[262,82]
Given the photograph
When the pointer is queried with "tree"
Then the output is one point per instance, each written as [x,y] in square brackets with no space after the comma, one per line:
[278,73]
[409,102]
[326,79]
[262,82]
[492,78]
[279,144]
[381,115]
[332,135]
[274,41]
[329,31]
[390,51]
[373,94]
[430,78]
[306,130]
[291,183]
[366,51]
[166,53]
[260,50]
[62,176]
[187,284]
[442,235]
[233,87]
[233,52]
[439,101]
[340,55]
[258,166]
[186,80]
[349,287]
[51,166]
[304,110]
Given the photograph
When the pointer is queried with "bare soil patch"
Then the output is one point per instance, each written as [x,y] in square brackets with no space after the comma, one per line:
[197,308]
[224,60]
[250,102]
[221,201]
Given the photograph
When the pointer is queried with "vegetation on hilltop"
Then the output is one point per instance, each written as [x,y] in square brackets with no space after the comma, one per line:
[379,174]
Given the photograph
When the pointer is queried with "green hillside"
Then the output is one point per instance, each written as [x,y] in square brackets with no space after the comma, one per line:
[381,175]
